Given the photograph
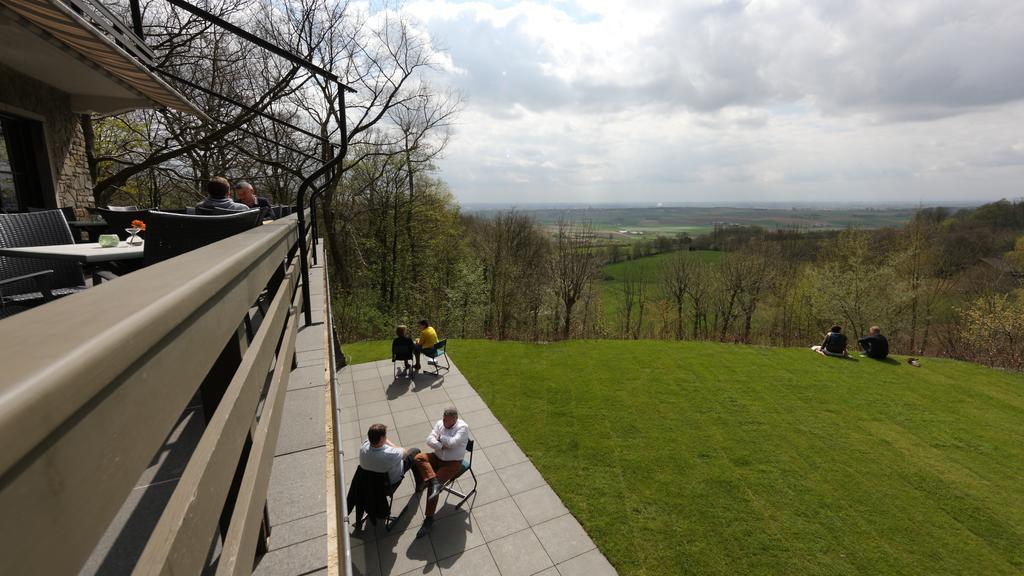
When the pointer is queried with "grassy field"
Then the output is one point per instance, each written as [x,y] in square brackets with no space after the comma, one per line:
[648,268]
[695,220]
[699,458]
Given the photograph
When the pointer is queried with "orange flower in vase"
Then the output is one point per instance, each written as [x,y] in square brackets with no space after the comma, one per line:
[137,226]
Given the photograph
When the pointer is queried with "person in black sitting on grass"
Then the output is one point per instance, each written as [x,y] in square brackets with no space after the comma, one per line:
[834,343]
[874,344]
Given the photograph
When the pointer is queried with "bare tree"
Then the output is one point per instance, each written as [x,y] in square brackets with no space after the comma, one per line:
[677,272]
[573,267]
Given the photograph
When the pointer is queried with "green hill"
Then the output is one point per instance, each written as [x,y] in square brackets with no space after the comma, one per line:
[698,458]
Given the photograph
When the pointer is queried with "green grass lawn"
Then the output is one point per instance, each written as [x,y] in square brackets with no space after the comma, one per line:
[698,458]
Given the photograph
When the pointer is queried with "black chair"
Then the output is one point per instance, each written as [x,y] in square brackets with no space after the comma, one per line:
[68,211]
[225,211]
[401,351]
[467,466]
[119,220]
[370,494]
[170,235]
[31,281]
[435,354]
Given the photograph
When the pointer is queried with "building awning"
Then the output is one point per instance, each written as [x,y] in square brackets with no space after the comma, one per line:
[51,42]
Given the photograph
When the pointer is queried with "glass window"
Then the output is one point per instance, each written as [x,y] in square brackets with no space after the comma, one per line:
[24,169]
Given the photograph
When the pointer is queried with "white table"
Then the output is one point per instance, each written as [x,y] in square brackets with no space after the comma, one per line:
[91,253]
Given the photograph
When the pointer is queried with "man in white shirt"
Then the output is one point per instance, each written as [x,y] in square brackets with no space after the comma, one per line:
[448,439]
[378,454]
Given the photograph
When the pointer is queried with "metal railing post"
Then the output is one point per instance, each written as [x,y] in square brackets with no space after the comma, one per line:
[301,205]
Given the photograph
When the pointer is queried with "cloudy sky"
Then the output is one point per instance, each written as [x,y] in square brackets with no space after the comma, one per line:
[733,101]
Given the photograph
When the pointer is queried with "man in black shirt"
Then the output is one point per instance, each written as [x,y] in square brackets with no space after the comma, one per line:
[874,344]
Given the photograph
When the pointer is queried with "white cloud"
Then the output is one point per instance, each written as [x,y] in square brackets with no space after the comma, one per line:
[701,101]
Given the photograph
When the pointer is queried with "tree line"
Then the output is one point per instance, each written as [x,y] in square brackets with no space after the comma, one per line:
[945,284]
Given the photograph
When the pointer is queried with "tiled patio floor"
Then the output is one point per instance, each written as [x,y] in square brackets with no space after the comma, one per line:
[514,526]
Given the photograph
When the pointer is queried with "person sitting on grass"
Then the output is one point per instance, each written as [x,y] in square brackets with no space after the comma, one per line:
[834,343]
[874,344]
[378,454]
[402,347]
[426,341]
[448,439]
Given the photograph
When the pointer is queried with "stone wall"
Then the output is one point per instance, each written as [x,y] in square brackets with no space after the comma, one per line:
[20,94]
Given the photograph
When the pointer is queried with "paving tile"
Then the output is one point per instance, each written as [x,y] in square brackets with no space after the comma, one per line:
[436,411]
[519,554]
[302,558]
[481,465]
[296,485]
[409,417]
[306,377]
[402,552]
[469,404]
[415,436]
[298,530]
[406,402]
[375,396]
[428,570]
[456,392]
[365,560]
[540,505]
[592,563]
[520,477]
[367,385]
[373,409]
[454,533]
[499,519]
[309,338]
[385,419]
[563,538]
[490,435]
[549,572]
[348,413]
[473,562]
[489,488]
[504,455]
[304,413]
[310,358]
[479,418]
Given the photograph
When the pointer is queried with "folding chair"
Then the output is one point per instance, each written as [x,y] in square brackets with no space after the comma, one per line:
[401,351]
[436,353]
[371,494]
[467,465]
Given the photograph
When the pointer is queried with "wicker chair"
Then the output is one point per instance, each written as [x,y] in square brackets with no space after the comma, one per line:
[118,220]
[170,235]
[31,281]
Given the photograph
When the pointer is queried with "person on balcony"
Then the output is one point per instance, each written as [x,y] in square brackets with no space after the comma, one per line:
[245,194]
[448,440]
[378,454]
[217,196]
[426,341]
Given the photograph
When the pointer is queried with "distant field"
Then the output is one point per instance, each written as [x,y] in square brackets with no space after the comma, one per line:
[687,458]
[699,220]
[649,269]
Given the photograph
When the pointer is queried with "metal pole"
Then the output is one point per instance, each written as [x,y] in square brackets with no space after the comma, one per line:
[136,18]
[301,205]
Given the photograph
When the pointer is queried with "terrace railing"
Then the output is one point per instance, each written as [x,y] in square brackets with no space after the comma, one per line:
[91,385]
